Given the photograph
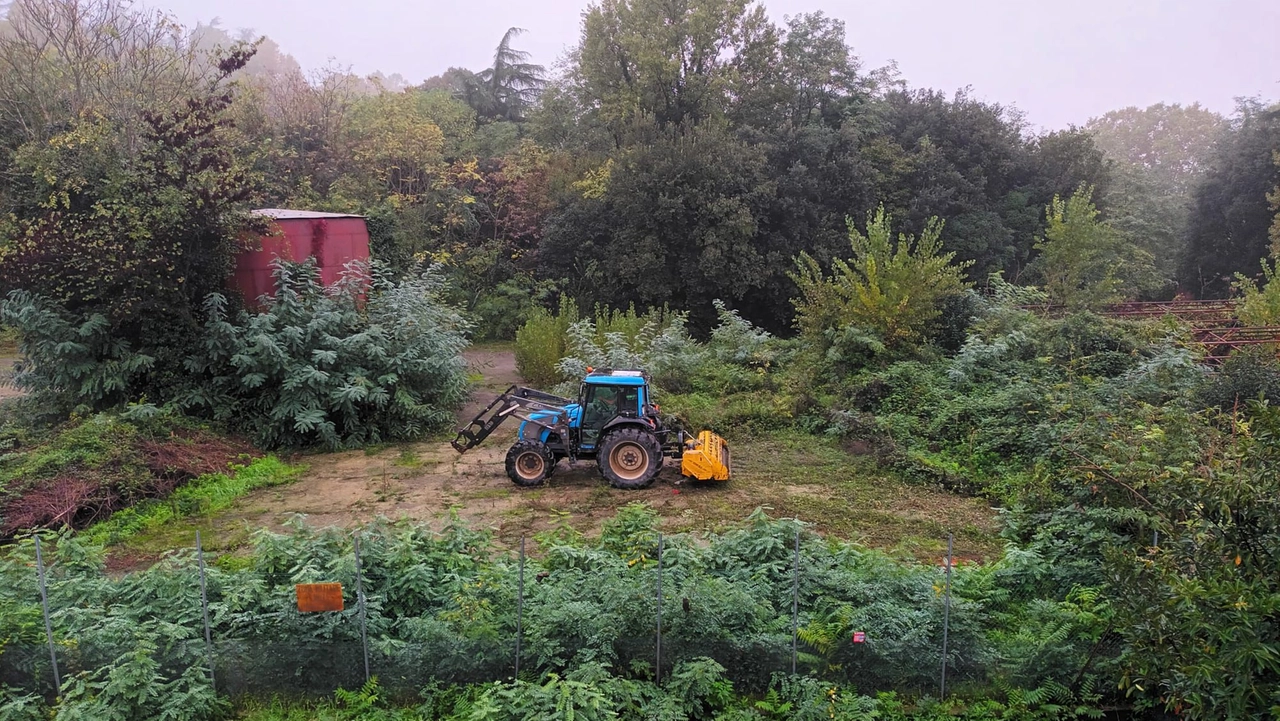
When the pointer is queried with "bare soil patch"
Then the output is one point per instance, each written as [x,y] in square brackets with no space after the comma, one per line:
[792,475]
[8,357]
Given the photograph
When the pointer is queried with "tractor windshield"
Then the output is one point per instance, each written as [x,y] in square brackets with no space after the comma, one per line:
[602,403]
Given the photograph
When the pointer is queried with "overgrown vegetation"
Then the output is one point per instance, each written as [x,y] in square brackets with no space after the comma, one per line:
[441,611]
[87,469]
[727,383]
[1136,483]
[893,289]
[1086,262]
[371,359]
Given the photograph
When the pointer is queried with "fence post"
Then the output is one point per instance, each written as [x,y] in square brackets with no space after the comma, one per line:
[520,607]
[1155,538]
[204,607]
[946,618]
[364,631]
[795,606]
[48,626]
[657,669]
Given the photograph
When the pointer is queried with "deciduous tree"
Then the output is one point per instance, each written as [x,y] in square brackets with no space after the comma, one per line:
[1230,219]
[1084,261]
[891,287]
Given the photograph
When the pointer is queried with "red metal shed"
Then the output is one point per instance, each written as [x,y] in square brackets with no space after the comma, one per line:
[334,239]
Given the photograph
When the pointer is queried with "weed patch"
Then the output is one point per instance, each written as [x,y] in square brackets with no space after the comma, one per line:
[85,471]
[204,495]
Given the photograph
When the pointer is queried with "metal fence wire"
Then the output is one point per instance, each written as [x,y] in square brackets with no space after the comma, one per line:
[917,629]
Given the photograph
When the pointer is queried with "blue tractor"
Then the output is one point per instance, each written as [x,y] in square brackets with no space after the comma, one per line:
[613,420]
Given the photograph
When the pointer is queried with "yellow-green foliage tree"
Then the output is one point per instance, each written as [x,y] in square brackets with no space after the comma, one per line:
[890,287]
[1084,261]
[394,144]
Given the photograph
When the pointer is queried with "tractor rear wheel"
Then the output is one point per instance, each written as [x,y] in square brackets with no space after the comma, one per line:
[529,463]
[630,458]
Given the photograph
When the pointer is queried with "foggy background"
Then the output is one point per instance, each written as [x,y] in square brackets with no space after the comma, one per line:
[1061,63]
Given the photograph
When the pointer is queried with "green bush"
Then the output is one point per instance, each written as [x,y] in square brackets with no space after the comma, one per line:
[1247,375]
[370,360]
[541,343]
[894,288]
[71,364]
[1006,410]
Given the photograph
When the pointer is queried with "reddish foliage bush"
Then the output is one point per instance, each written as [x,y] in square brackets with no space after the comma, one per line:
[188,454]
[61,501]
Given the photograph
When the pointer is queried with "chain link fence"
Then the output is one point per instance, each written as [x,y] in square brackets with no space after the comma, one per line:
[913,628]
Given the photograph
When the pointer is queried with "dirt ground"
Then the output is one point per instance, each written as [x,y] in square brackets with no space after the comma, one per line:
[791,475]
[8,356]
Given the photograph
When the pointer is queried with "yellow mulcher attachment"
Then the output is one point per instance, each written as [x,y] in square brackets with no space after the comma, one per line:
[706,458]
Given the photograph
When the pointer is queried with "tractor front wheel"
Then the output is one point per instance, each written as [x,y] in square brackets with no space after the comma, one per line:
[529,463]
[630,458]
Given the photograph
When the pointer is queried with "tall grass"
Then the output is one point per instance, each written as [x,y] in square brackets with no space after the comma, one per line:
[541,343]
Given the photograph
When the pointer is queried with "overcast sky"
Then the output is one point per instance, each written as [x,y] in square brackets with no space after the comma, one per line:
[1060,62]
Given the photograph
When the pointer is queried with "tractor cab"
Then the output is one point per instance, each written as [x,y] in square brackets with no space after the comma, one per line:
[607,396]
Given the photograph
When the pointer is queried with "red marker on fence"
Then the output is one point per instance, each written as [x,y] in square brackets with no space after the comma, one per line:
[859,637]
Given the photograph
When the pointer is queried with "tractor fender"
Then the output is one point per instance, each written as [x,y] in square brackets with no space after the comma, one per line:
[628,421]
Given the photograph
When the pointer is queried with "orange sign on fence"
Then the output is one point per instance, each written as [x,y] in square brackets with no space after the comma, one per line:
[314,597]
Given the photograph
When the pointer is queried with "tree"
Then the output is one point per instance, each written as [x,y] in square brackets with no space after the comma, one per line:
[1172,142]
[818,68]
[504,91]
[393,147]
[892,288]
[64,61]
[1275,224]
[677,63]
[513,82]
[672,220]
[1260,297]
[1160,153]
[1230,220]
[137,239]
[973,165]
[1086,263]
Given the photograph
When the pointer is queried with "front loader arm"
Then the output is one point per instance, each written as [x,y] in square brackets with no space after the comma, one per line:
[517,401]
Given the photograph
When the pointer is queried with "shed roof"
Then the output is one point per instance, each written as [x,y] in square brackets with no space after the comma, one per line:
[289,214]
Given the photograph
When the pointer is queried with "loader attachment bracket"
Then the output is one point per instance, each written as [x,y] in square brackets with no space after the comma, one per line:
[517,401]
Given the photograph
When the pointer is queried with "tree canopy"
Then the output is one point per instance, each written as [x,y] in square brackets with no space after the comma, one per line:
[1228,229]
[679,153]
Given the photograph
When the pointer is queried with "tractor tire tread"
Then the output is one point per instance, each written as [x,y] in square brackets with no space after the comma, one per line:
[524,446]
[640,436]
